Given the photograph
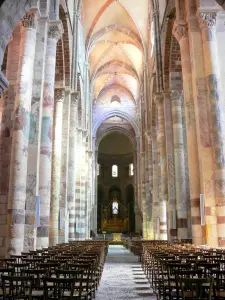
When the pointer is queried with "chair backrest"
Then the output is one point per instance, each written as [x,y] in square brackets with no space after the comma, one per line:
[17,287]
[58,288]
[196,288]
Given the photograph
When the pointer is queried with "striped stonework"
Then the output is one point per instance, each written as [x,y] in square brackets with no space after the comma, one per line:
[161,140]
[54,34]
[71,194]
[20,136]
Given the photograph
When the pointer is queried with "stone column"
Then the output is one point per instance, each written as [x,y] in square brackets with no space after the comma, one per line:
[83,185]
[64,178]
[150,176]
[207,24]
[155,179]
[172,228]
[20,136]
[54,34]
[32,189]
[159,99]
[180,32]
[79,133]
[72,165]
[147,189]
[56,167]
[8,100]
[143,196]
[179,158]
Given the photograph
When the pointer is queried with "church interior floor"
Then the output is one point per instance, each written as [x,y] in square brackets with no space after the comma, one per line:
[123,277]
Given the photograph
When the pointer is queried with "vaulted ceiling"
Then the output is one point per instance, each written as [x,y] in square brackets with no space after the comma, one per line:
[116,34]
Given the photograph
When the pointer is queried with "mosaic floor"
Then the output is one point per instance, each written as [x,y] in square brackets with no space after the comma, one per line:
[123,277]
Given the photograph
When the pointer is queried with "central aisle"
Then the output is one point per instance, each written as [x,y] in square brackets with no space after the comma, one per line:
[123,277]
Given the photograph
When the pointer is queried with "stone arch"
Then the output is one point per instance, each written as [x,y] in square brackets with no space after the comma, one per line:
[113,86]
[119,114]
[221,3]
[62,76]
[11,12]
[116,27]
[115,129]
[168,24]
[118,63]
[102,10]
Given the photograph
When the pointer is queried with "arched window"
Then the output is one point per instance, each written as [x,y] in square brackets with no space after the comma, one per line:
[114,171]
[98,169]
[115,208]
[131,169]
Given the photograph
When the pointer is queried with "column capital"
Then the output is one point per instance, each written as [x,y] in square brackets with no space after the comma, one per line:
[75,97]
[180,30]
[3,82]
[55,30]
[158,98]
[29,20]
[206,23]
[59,94]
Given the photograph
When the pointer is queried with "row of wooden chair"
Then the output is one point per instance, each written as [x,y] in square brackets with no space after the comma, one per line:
[66,271]
[183,271]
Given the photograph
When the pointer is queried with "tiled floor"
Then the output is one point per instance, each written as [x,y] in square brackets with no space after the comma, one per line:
[123,277]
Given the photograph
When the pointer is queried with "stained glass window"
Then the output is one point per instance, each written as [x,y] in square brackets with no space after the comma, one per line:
[114,171]
[115,208]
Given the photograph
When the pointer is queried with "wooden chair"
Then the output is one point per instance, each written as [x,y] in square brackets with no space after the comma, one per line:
[17,287]
[196,288]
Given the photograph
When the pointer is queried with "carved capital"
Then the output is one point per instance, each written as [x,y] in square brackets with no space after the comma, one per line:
[180,30]
[59,95]
[29,20]
[158,98]
[55,30]
[207,24]
[75,98]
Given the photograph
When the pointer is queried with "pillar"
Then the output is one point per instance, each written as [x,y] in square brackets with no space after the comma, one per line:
[32,190]
[180,32]
[20,136]
[78,168]
[54,34]
[72,165]
[171,212]
[150,166]
[64,178]
[179,158]
[8,99]
[55,215]
[82,225]
[207,24]
[143,195]
[159,99]
[155,179]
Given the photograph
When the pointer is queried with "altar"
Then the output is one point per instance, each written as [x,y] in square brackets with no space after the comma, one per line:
[117,237]
[114,220]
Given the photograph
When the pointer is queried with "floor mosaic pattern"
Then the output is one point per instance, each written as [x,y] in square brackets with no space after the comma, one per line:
[123,277]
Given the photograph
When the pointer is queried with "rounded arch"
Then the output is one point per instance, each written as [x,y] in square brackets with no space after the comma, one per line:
[115,129]
[131,71]
[116,27]
[112,86]
[11,12]
[99,14]
[119,114]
